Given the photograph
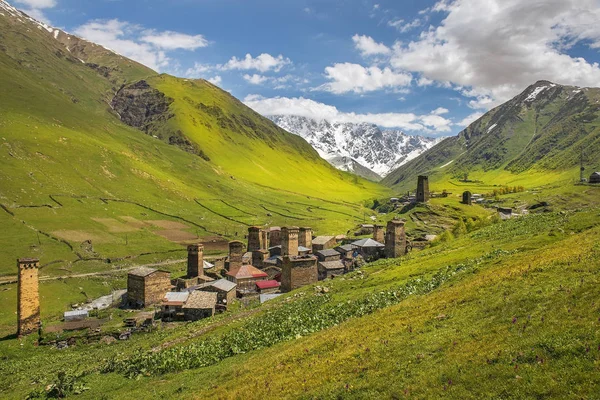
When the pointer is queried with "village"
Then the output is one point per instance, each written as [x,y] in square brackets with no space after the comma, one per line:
[272,261]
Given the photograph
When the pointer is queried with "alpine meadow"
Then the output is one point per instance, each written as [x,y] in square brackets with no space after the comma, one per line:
[300,200]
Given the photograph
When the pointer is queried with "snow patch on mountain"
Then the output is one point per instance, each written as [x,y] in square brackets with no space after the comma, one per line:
[363,143]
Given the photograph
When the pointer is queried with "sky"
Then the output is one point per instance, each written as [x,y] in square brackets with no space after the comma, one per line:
[425,67]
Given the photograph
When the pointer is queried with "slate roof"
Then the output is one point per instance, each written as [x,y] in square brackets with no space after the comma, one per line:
[302,249]
[222,284]
[247,271]
[367,243]
[328,253]
[175,298]
[346,247]
[144,271]
[322,239]
[201,300]
[337,264]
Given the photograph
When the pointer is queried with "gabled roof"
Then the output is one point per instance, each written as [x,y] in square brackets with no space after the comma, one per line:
[247,271]
[268,284]
[367,243]
[302,248]
[337,264]
[201,300]
[222,284]
[346,248]
[175,298]
[322,239]
[328,253]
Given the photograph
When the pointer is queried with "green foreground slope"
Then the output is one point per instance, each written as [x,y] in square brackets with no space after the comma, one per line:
[506,311]
[72,171]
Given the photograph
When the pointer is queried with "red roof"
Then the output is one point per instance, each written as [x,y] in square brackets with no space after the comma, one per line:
[247,271]
[267,284]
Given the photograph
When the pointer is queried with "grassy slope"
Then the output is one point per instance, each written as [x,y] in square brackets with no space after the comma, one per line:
[517,143]
[59,137]
[521,321]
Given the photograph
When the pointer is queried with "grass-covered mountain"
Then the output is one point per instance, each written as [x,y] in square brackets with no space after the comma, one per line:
[538,134]
[94,145]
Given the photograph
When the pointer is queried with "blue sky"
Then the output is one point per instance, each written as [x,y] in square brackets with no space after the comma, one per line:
[426,67]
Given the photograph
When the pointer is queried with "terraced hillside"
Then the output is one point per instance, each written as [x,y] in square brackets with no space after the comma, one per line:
[206,166]
[536,137]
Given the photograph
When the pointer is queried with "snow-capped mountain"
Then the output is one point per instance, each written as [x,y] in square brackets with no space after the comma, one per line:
[350,146]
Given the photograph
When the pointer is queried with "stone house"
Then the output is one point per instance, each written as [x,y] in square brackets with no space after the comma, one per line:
[172,304]
[225,290]
[328,255]
[345,250]
[267,287]
[246,277]
[369,249]
[147,286]
[298,271]
[327,269]
[323,242]
[199,305]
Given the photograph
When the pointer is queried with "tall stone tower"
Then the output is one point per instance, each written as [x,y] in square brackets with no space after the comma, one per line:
[195,260]
[305,237]
[255,239]
[395,239]
[236,254]
[298,271]
[289,241]
[423,189]
[378,233]
[28,296]
[466,198]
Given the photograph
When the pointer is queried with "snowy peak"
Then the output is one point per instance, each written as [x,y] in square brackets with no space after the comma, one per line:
[350,146]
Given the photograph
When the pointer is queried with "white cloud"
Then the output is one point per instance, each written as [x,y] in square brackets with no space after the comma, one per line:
[198,70]
[428,123]
[263,63]
[403,27]
[133,41]
[496,48]
[215,80]
[169,40]
[469,119]
[440,111]
[255,79]
[349,77]
[368,47]
[38,3]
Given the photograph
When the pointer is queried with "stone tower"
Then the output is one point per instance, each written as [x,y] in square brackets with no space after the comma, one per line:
[466,198]
[378,233]
[395,239]
[289,241]
[255,239]
[195,260]
[305,237]
[423,189]
[236,254]
[28,296]
[298,271]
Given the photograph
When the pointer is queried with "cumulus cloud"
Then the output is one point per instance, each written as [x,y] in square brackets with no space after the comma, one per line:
[148,47]
[347,77]
[263,63]
[255,79]
[402,26]
[440,111]
[493,49]
[469,119]
[428,123]
[215,80]
[38,3]
[368,46]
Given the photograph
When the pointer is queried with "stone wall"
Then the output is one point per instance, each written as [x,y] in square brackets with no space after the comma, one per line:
[275,238]
[236,254]
[466,198]
[423,189]
[195,261]
[143,291]
[289,241]
[395,239]
[259,257]
[298,272]
[255,238]
[305,237]
[28,304]
[379,233]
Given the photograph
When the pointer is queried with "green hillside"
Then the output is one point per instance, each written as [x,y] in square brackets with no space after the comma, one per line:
[72,171]
[536,137]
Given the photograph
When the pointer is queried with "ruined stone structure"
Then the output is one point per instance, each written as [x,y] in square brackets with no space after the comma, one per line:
[255,239]
[395,239]
[423,189]
[28,296]
[466,198]
[236,255]
[289,241]
[195,260]
[274,236]
[147,286]
[298,271]
[305,237]
[378,233]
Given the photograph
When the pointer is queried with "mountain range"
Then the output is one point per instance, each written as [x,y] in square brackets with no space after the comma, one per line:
[361,148]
